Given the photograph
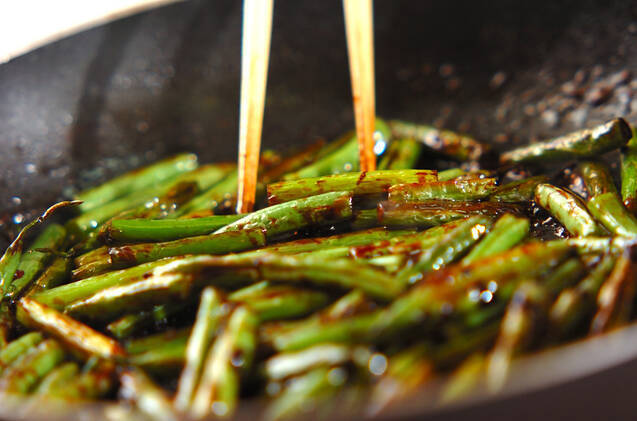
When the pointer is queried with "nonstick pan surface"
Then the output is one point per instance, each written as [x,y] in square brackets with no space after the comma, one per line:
[112,98]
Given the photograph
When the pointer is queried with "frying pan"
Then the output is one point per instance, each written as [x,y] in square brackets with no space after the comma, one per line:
[101,102]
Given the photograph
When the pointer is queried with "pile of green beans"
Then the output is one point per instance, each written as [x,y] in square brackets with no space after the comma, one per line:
[344,291]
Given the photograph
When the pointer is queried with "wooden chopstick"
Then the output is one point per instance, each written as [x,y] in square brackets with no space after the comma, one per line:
[255,52]
[360,45]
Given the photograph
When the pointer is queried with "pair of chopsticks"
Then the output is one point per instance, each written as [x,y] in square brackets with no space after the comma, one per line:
[257,29]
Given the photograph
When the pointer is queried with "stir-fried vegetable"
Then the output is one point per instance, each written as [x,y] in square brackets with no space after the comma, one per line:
[349,291]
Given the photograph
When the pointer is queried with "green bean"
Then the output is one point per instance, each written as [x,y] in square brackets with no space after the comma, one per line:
[216,243]
[213,198]
[431,298]
[350,304]
[296,214]
[338,160]
[340,272]
[450,174]
[9,263]
[6,323]
[465,341]
[203,331]
[342,158]
[61,296]
[365,219]
[600,245]
[454,189]
[629,173]
[218,389]
[90,242]
[104,259]
[507,232]
[156,341]
[575,304]
[518,191]
[159,288]
[564,276]
[275,302]
[436,212]
[24,373]
[133,230]
[305,392]
[136,180]
[464,379]
[616,295]
[288,364]
[34,260]
[403,244]
[11,258]
[406,372]
[164,357]
[207,175]
[567,208]
[126,325]
[328,253]
[452,145]
[94,382]
[56,274]
[57,378]
[295,162]
[88,258]
[450,245]
[401,154]
[587,143]
[596,177]
[76,335]
[88,222]
[129,324]
[147,396]
[307,245]
[164,205]
[18,347]
[520,325]
[608,209]
[357,183]
[345,273]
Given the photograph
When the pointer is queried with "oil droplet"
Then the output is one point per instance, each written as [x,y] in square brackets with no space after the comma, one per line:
[474,295]
[16,200]
[238,360]
[492,286]
[380,146]
[18,218]
[377,364]
[415,278]
[486,296]
[477,231]
[219,408]
[30,168]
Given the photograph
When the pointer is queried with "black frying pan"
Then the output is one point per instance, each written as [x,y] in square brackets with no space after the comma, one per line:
[111,98]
